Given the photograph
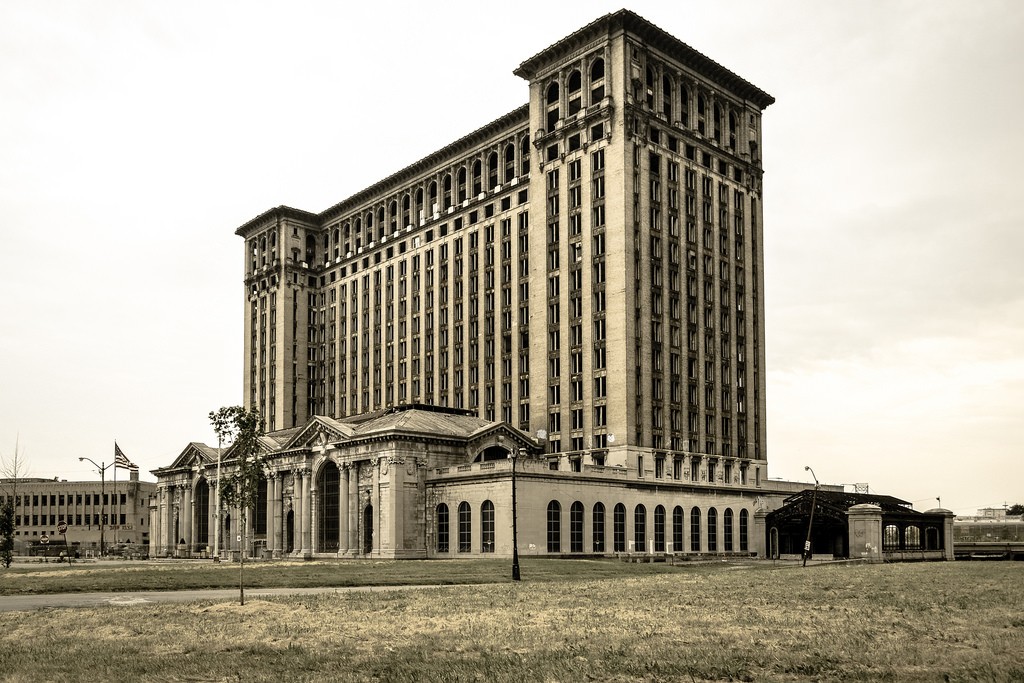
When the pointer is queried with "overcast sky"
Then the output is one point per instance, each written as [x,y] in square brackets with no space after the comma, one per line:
[135,137]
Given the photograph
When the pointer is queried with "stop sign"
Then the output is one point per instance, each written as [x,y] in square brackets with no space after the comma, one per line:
[62,527]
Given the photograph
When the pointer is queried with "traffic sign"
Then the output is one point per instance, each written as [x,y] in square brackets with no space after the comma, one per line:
[44,539]
[62,527]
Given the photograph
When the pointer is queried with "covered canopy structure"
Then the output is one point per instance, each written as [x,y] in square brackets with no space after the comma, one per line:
[904,533]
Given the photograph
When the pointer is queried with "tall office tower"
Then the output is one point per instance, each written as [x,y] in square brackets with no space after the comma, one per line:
[587,268]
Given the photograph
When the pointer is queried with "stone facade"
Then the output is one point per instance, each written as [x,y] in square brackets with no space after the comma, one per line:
[583,275]
[119,510]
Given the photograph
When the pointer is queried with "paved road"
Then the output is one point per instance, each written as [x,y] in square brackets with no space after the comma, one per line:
[21,603]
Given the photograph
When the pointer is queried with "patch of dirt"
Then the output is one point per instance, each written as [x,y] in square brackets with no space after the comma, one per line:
[266,608]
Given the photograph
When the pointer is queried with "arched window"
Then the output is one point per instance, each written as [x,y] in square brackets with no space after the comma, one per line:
[677,529]
[649,92]
[732,131]
[487,527]
[202,508]
[576,528]
[659,529]
[524,156]
[492,171]
[574,88]
[552,106]
[381,226]
[666,97]
[405,210]
[718,123]
[465,527]
[684,106]
[310,249]
[447,191]
[393,211]
[432,195]
[701,111]
[598,527]
[744,547]
[712,530]
[890,538]
[597,81]
[420,211]
[443,528]
[259,513]
[478,186]
[554,527]
[639,528]
[727,530]
[695,530]
[328,508]
[510,163]
[912,538]
[461,181]
[368,530]
[619,530]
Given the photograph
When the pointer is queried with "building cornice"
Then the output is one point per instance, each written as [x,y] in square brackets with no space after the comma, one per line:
[517,117]
[272,215]
[634,24]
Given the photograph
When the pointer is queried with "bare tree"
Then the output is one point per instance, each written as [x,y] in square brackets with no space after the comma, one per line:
[11,470]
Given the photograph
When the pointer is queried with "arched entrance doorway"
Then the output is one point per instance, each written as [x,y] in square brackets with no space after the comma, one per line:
[290,532]
[202,536]
[368,530]
[328,511]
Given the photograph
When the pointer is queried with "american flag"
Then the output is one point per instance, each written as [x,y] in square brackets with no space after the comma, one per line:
[120,460]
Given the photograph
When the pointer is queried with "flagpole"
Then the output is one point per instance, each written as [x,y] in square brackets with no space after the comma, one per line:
[116,509]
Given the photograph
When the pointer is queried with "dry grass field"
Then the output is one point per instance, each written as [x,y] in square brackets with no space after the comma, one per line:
[911,622]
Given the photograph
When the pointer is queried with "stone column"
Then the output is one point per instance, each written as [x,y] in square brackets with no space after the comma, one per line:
[273,513]
[155,525]
[170,542]
[296,511]
[375,498]
[271,477]
[306,508]
[760,538]
[314,510]
[187,514]
[353,510]
[343,521]
[865,529]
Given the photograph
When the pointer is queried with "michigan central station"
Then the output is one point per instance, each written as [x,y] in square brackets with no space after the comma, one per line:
[571,295]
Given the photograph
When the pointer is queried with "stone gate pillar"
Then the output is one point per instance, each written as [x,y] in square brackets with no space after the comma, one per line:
[865,528]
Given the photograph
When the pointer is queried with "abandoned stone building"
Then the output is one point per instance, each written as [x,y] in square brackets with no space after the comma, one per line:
[571,294]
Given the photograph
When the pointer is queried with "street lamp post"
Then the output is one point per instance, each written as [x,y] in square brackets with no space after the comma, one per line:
[515,535]
[103,503]
[810,522]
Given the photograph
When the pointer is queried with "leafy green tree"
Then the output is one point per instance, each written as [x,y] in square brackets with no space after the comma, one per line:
[6,532]
[239,486]
[1015,509]
[224,425]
